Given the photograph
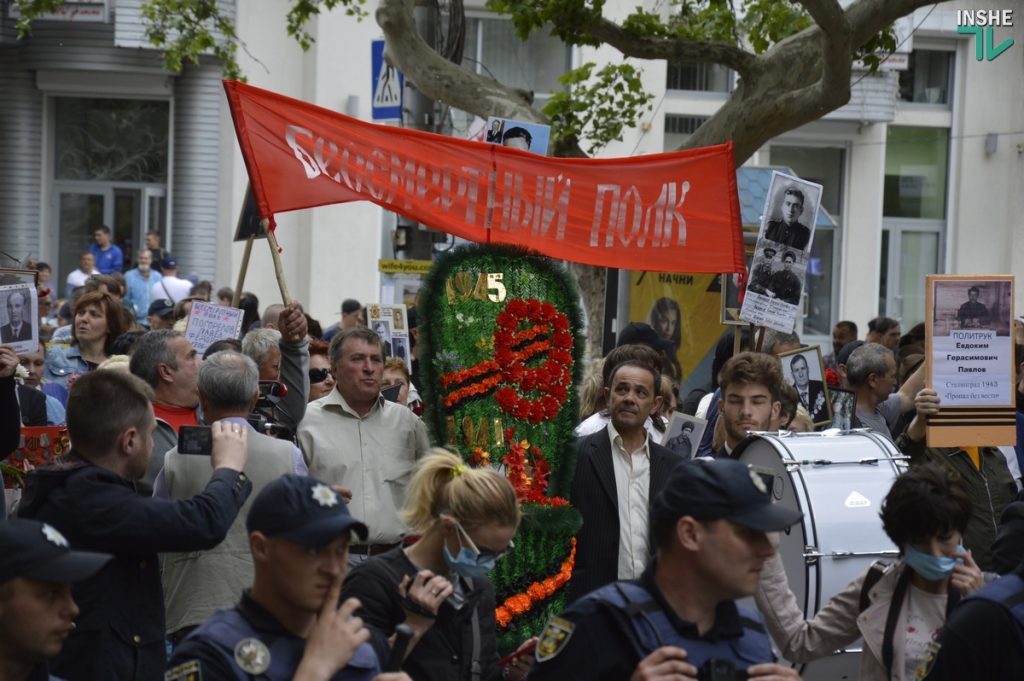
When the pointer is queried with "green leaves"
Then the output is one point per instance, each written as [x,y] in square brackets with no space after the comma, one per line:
[597,105]
[303,10]
[766,22]
[187,29]
[568,19]
[31,10]
[875,51]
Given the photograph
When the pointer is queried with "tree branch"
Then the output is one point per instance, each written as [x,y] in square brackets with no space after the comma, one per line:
[801,78]
[672,49]
[438,78]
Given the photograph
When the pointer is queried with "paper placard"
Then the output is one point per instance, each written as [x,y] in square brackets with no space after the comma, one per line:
[208,323]
[390,323]
[779,266]
[971,360]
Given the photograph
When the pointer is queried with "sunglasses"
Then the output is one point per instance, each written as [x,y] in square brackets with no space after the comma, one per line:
[318,375]
[484,554]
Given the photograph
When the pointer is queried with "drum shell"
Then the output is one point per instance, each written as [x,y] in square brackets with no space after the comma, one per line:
[841,532]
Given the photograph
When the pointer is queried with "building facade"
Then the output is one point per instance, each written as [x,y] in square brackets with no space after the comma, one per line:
[923,170]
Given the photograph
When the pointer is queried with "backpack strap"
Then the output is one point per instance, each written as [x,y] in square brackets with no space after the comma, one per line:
[874,574]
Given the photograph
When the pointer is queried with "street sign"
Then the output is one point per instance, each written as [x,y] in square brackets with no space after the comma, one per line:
[387,85]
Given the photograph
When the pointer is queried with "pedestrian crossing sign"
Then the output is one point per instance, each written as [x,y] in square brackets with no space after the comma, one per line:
[388,84]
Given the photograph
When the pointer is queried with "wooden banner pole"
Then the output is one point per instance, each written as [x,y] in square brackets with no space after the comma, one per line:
[237,297]
[278,270]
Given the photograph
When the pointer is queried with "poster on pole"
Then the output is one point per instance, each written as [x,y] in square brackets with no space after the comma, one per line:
[776,283]
[971,360]
[520,135]
[390,323]
[19,317]
[209,323]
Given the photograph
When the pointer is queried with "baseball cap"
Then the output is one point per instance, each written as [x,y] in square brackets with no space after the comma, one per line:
[350,305]
[302,510]
[644,334]
[33,549]
[843,356]
[168,263]
[710,489]
[161,307]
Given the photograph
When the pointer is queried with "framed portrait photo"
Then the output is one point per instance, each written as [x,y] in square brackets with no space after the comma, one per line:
[684,434]
[804,370]
[12,277]
[844,403]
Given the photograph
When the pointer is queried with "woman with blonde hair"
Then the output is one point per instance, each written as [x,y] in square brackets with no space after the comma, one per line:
[465,518]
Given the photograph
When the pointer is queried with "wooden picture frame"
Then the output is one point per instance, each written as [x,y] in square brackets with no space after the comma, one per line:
[969,355]
[819,402]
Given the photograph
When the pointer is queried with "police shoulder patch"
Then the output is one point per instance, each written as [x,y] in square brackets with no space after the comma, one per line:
[252,656]
[556,634]
[187,671]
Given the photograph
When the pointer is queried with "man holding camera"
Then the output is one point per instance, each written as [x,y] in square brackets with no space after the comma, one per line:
[197,584]
[90,497]
[680,619]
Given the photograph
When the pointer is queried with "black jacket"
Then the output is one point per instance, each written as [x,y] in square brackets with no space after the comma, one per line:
[594,495]
[445,651]
[120,631]
[33,406]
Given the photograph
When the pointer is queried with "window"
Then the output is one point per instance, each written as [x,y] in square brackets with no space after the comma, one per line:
[927,78]
[494,49]
[679,128]
[916,161]
[111,139]
[699,77]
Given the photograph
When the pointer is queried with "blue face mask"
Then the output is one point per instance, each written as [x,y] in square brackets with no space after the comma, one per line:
[471,561]
[930,567]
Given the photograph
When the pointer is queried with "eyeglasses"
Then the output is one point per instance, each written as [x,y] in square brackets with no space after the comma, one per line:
[487,554]
[318,375]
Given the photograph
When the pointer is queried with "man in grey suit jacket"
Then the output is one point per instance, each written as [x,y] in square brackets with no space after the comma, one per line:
[619,472]
[197,584]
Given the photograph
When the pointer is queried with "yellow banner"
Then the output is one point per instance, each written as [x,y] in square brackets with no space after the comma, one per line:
[684,308]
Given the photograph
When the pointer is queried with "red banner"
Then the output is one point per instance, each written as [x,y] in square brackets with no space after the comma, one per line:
[675,212]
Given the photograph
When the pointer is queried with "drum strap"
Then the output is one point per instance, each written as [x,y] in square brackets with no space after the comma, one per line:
[896,604]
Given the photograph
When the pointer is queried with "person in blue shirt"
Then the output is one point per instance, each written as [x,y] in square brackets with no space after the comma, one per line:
[139,281]
[109,257]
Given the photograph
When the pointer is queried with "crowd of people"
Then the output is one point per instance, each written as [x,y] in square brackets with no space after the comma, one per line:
[262,511]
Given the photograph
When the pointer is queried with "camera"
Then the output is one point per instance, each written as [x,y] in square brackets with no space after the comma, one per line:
[265,418]
[195,440]
[720,669]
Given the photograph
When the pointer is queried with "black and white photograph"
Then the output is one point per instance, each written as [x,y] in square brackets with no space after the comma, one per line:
[805,371]
[19,317]
[779,266]
[972,304]
[791,212]
[519,134]
[843,404]
[684,433]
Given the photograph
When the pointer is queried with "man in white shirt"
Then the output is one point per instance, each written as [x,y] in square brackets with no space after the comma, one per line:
[354,438]
[619,471]
[86,268]
[170,286]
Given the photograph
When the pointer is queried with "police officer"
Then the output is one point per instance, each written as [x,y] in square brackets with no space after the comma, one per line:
[289,625]
[983,638]
[37,611]
[710,526]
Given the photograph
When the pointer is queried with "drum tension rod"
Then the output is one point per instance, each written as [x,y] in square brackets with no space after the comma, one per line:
[811,554]
[829,462]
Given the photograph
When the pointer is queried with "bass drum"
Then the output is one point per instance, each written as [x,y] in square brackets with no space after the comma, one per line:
[837,479]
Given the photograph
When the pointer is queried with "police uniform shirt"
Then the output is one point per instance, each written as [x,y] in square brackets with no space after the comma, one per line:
[198,659]
[598,641]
